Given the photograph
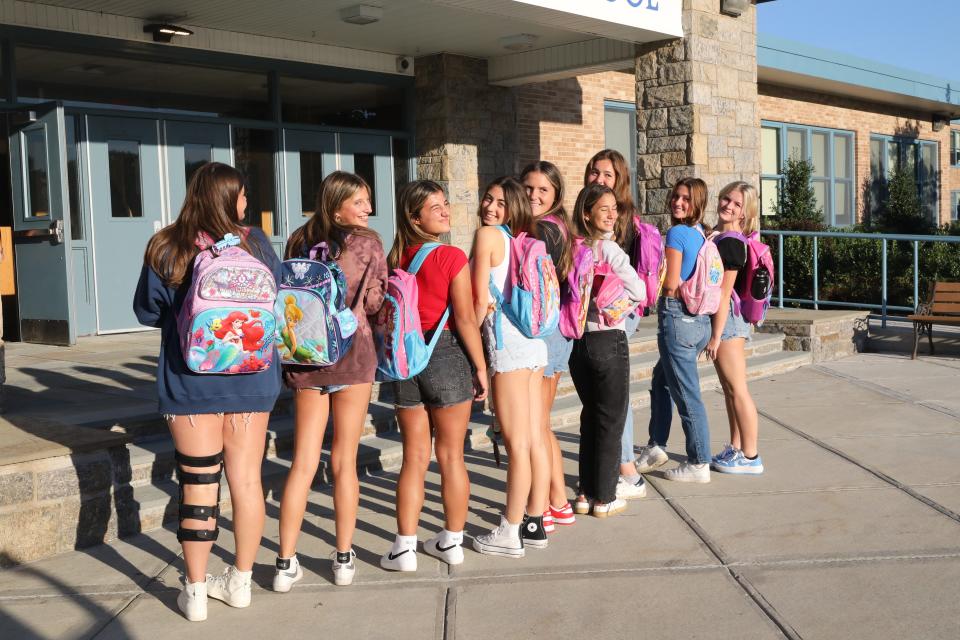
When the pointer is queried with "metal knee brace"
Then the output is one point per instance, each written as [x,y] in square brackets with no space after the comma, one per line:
[196,512]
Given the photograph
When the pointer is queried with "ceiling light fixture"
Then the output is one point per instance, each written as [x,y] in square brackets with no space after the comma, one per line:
[361,14]
[518,42]
[165,32]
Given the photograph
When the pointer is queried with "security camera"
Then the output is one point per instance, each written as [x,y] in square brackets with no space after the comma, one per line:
[403,64]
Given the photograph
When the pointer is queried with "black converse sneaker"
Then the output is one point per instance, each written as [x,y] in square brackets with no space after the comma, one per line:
[533,533]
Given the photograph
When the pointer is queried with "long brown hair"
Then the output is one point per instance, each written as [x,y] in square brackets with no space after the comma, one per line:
[698,201]
[622,191]
[559,213]
[519,216]
[334,190]
[586,199]
[210,207]
[410,201]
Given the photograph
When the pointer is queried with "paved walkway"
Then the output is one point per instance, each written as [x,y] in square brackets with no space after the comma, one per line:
[853,532]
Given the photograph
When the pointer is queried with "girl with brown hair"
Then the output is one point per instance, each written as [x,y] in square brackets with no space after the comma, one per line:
[342,389]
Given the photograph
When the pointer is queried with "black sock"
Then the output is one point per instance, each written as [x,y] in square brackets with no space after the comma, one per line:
[753,458]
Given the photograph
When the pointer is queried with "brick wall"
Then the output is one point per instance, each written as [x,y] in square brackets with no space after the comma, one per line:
[562,121]
[782,104]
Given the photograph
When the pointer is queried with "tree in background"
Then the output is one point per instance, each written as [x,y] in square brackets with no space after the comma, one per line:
[798,208]
[901,211]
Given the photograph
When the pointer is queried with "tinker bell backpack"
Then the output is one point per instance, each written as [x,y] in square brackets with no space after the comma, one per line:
[751,296]
[648,256]
[314,323]
[531,300]
[575,296]
[402,350]
[226,323]
[701,292]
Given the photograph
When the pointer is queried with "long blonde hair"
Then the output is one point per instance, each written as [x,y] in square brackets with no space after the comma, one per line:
[336,188]
[410,201]
[751,205]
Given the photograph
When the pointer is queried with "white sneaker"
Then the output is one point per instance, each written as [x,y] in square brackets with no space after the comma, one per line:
[688,472]
[628,490]
[343,572]
[232,587]
[601,510]
[650,458]
[399,559]
[504,541]
[287,572]
[451,553]
[192,601]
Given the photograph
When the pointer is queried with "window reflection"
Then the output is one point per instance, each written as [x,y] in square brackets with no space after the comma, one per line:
[126,200]
[38,189]
[311,174]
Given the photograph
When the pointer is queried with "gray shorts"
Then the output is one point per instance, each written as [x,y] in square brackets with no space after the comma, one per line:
[447,380]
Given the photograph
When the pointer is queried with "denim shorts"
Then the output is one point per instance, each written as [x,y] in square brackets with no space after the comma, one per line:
[559,348]
[447,380]
[326,389]
[735,327]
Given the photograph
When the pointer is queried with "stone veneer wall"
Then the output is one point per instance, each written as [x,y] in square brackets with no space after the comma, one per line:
[466,134]
[697,106]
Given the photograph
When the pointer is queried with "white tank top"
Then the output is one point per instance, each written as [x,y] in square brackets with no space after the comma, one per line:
[498,274]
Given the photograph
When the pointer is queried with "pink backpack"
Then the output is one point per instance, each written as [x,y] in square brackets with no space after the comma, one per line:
[752,298]
[531,299]
[648,256]
[226,323]
[613,303]
[575,296]
[701,292]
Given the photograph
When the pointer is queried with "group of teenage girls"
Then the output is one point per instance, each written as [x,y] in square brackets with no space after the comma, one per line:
[219,423]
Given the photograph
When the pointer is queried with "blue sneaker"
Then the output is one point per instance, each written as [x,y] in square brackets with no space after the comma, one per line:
[738,464]
[728,452]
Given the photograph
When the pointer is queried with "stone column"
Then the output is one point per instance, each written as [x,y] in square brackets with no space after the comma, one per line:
[466,134]
[697,106]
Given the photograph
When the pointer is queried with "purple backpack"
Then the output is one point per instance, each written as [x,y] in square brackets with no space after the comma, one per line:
[575,296]
[226,323]
[648,256]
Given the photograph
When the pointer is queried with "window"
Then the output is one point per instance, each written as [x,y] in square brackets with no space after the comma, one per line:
[620,134]
[887,153]
[254,152]
[955,148]
[38,194]
[954,206]
[124,167]
[829,151]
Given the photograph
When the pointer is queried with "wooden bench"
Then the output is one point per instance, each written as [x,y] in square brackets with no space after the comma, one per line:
[943,307]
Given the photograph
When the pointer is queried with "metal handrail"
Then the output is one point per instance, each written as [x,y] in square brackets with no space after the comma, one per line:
[882,237]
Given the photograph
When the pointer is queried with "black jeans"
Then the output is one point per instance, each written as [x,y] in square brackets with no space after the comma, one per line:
[600,368]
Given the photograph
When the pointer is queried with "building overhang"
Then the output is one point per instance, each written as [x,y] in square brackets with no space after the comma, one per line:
[791,64]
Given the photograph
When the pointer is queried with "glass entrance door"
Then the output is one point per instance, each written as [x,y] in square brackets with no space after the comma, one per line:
[126,207]
[190,145]
[41,224]
[369,156]
[309,157]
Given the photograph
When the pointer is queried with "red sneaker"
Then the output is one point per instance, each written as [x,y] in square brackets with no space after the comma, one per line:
[563,515]
[548,522]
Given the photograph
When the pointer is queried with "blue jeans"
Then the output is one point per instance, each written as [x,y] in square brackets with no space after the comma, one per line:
[626,443]
[680,338]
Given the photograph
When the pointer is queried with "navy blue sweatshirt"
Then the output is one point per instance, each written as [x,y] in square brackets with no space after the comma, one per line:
[182,392]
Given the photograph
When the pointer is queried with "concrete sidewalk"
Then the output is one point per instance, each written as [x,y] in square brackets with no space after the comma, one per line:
[852,532]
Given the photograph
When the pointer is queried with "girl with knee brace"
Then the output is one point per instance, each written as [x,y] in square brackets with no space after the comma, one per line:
[435,404]
[516,363]
[681,336]
[217,421]
[343,389]
[737,210]
[600,363]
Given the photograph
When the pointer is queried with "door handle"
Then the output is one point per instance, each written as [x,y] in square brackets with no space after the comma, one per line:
[54,233]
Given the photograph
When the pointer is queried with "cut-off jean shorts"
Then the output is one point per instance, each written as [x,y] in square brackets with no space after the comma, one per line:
[735,327]
[446,381]
[559,349]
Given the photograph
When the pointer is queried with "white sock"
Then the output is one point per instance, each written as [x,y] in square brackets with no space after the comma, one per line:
[242,574]
[511,529]
[447,538]
[404,542]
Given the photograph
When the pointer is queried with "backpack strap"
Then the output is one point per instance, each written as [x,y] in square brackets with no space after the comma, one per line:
[415,264]
[498,296]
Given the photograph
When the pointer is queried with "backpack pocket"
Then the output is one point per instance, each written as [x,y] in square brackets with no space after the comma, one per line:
[303,328]
[230,340]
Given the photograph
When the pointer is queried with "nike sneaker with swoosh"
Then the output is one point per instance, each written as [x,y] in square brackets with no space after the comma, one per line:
[399,559]
[445,550]
[288,571]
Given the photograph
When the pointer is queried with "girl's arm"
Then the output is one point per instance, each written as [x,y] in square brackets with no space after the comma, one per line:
[152,299]
[377,284]
[674,263]
[483,245]
[619,261]
[719,319]
[465,319]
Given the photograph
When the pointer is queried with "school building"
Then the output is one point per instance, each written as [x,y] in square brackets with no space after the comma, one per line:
[108,107]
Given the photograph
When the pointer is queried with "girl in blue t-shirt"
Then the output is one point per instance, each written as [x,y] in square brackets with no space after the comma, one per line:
[680,339]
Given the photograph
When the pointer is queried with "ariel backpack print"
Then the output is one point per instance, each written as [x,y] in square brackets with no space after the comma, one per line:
[226,323]
[315,325]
